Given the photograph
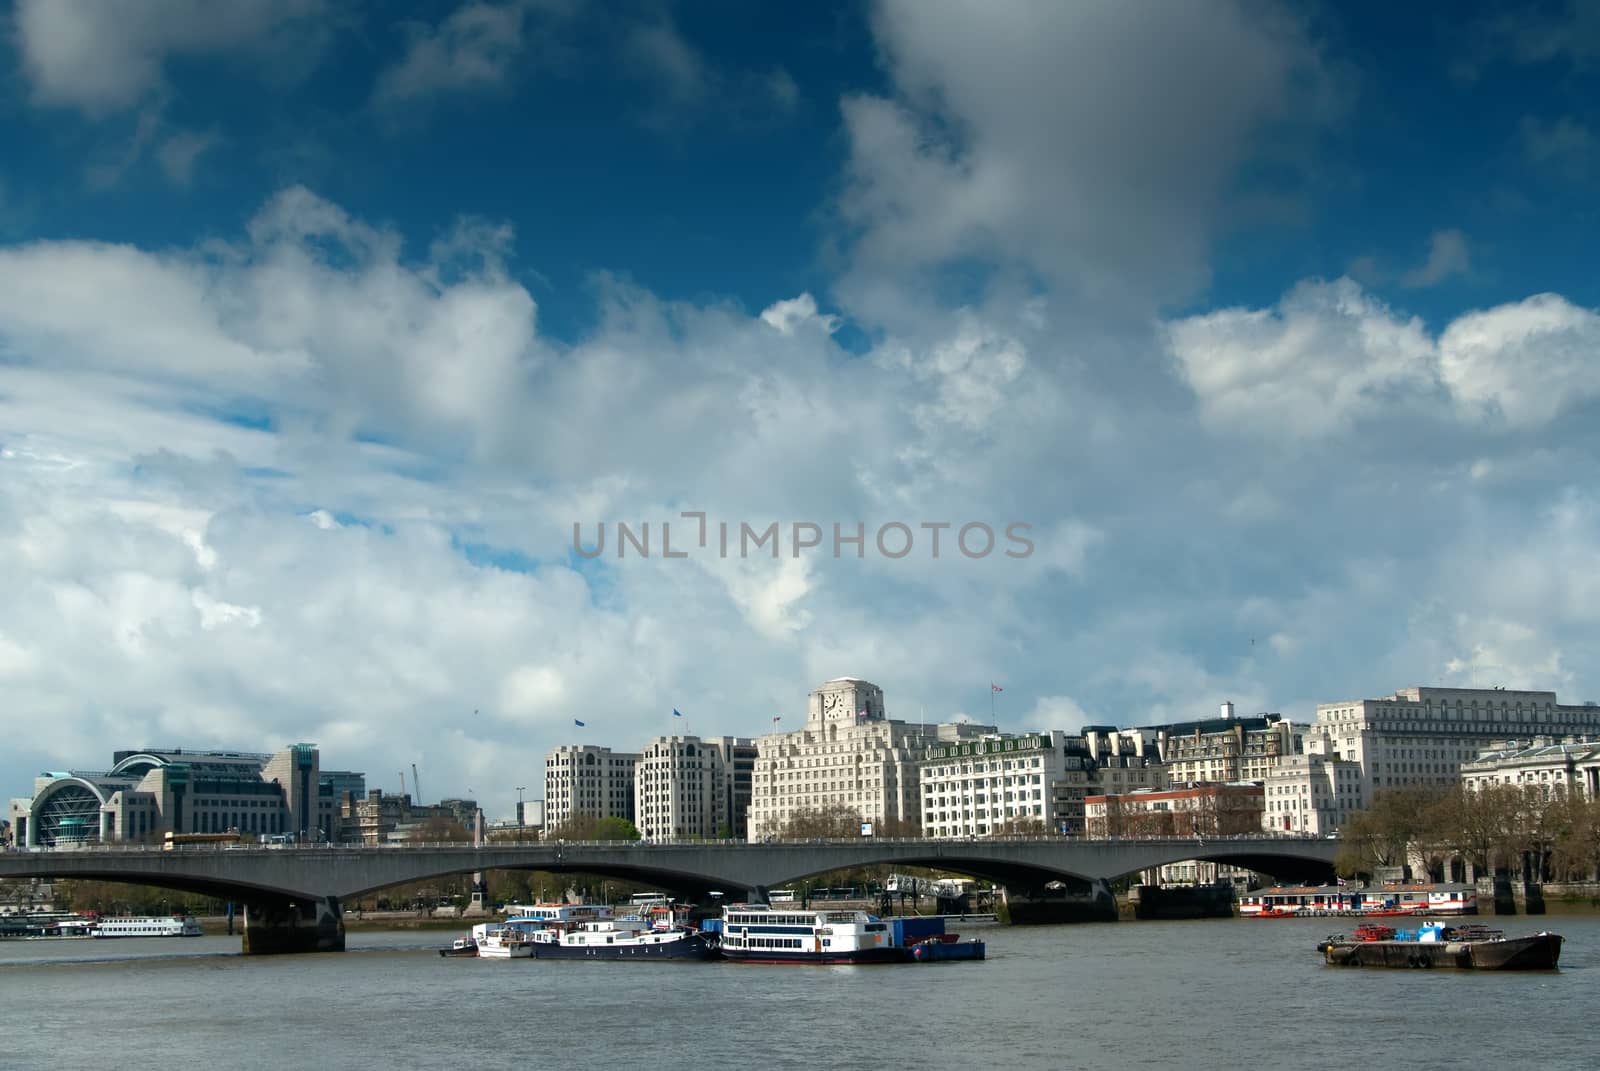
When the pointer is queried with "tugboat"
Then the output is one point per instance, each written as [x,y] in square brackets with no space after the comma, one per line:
[464,946]
[1470,947]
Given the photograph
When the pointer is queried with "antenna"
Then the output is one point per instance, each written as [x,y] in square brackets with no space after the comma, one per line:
[416,784]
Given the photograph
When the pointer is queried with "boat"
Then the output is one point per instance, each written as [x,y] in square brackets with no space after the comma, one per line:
[504,942]
[630,937]
[1384,901]
[463,946]
[1462,947]
[148,926]
[761,933]
[42,926]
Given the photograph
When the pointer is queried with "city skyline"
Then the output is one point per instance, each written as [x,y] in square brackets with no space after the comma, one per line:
[322,331]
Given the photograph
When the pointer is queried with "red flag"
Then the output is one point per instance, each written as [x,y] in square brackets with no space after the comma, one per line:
[995,687]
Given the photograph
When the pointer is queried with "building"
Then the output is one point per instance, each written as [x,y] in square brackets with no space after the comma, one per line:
[1227,748]
[1312,793]
[686,786]
[1025,783]
[1211,810]
[848,756]
[1571,764]
[586,781]
[150,792]
[1422,736]
[386,818]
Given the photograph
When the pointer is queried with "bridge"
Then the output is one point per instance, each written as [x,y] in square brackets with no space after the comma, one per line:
[292,895]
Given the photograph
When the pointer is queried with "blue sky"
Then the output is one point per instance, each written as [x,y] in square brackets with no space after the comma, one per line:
[324,323]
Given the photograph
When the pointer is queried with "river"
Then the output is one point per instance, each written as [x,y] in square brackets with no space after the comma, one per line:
[1186,995]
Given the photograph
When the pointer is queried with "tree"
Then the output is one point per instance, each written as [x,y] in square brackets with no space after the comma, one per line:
[592,827]
[442,830]
[836,821]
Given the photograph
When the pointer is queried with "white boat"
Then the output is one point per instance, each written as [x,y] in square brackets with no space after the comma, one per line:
[630,937]
[148,926]
[760,933]
[505,942]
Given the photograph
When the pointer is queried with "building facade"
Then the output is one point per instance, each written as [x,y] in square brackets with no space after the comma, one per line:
[1227,748]
[586,781]
[1422,736]
[1571,764]
[150,792]
[848,756]
[1211,810]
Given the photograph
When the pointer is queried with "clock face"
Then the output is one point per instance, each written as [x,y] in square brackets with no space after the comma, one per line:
[830,701]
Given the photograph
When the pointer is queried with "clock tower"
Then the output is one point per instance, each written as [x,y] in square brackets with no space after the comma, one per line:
[845,701]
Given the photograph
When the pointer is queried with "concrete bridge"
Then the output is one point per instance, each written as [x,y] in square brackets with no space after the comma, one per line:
[292,895]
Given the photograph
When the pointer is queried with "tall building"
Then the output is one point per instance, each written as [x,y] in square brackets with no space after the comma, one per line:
[583,780]
[676,785]
[150,792]
[848,755]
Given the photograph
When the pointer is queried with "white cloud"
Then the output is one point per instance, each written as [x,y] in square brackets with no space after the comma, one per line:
[1109,190]
[1328,355]
[1331,355]
[792,315]
[92,56]
[1447,256]
[475,48]
[1524,361]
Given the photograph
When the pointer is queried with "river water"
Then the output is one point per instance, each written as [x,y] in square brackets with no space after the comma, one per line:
[1186,995]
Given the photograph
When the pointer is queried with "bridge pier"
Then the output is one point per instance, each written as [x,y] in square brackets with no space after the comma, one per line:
[273,927]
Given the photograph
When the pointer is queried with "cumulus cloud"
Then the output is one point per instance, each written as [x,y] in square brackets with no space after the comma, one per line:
[93,57]
[1331,355]
[1327,355]
[1114,187]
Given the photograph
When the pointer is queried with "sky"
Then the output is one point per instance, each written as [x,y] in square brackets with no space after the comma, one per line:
[1261,337]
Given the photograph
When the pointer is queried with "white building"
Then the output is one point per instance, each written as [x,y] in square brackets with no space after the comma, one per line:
[1018,783]
[1416,736]
[848,755]
[685,786]
[1572,763]
[583,780]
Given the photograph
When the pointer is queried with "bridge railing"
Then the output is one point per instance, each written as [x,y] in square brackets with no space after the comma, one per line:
[489,846]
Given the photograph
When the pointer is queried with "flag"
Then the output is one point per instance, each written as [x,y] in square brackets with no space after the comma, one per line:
[578,723]
[993,687]
[677,714]
[777,719]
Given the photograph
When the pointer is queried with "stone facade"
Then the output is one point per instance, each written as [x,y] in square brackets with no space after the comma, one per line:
[583,780]
[849,755]
[1571,764]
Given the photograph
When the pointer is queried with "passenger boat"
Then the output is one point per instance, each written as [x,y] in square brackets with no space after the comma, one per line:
[153,926]
[759,933]
[505,942]
[630,937]
[463,946]
[1386,901]
[1462,947]
[46,926]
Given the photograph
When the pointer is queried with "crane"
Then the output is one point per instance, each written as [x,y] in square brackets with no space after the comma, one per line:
[416,784]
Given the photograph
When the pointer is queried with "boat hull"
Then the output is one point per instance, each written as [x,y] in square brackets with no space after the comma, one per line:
[1538,952]
[694,948]
[937,951]
[885,954]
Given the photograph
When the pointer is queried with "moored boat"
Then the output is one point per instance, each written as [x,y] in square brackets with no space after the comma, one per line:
[1383,901]
[463,946]
[1469,947]
[762,933]
[148,926]
[629,938]
[505,942]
